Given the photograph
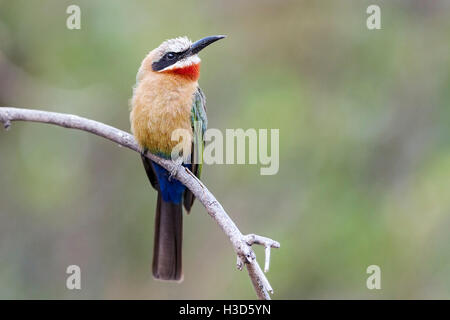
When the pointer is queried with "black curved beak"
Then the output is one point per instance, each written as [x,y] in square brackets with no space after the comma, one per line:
[199,45]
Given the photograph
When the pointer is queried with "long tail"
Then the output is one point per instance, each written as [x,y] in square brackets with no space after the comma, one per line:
[168,240]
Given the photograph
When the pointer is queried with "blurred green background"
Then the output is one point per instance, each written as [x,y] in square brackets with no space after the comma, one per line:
[364,148]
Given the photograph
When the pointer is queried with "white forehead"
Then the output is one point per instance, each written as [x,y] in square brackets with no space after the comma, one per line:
[179,44]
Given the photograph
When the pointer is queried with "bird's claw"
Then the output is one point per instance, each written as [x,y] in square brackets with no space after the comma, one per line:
[174,170]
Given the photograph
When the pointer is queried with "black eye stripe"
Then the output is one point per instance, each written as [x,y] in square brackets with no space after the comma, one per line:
[165,61]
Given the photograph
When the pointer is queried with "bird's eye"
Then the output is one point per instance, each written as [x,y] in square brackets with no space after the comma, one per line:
[170,56]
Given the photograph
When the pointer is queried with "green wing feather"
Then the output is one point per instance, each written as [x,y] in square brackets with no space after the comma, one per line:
[199,123]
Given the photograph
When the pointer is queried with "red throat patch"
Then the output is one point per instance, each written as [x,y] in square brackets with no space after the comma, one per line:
[191,72]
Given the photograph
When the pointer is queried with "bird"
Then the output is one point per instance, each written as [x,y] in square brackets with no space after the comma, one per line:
[166,98]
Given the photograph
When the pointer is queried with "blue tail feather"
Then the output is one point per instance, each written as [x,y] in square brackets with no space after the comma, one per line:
[171,190]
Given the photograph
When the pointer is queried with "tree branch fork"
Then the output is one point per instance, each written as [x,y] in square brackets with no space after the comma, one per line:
[242,244]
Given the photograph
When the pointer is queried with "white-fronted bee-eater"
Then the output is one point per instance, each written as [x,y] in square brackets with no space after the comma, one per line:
[167,98]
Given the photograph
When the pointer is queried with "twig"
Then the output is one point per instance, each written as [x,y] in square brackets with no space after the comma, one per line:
[241,244]
[266,242]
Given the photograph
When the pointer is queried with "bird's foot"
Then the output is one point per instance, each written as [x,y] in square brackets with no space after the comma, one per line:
[177,164]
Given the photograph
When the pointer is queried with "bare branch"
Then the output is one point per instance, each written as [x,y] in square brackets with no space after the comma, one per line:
[266,242]
[241,244]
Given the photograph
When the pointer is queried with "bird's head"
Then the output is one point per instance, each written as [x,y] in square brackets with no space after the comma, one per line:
[178,56]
